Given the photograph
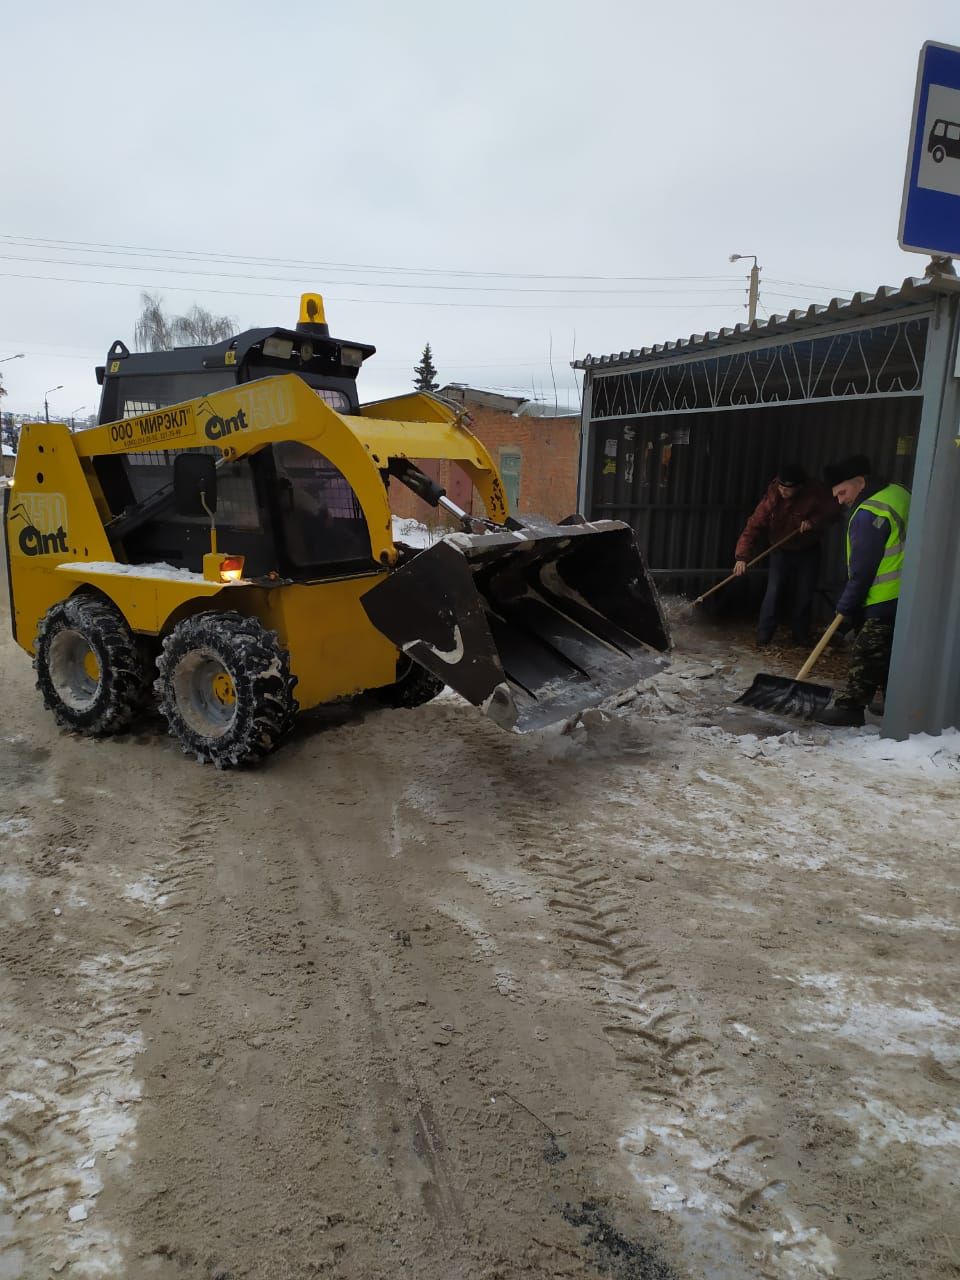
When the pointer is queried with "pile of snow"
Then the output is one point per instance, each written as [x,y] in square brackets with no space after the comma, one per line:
[415,534]
[921,751]
[160,570]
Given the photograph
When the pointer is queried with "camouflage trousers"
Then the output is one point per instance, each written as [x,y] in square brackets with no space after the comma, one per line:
[869,663]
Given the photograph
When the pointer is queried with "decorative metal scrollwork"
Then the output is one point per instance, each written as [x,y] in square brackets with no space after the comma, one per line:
[883,361]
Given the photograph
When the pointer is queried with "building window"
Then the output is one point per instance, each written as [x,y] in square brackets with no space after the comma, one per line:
[510,471]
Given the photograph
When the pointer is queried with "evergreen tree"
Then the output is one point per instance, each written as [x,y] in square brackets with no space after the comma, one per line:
[425,372]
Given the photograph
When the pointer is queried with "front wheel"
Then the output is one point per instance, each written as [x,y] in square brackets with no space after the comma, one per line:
[938,154]
[414,686]
[225,689]
[90,667]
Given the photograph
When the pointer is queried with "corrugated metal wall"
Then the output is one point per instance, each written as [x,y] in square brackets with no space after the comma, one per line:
[688,482]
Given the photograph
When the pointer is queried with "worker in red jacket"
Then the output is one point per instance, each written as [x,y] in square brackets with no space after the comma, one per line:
[793,504]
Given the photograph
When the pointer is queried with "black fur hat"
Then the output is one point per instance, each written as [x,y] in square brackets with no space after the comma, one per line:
[792,473]
[858,464]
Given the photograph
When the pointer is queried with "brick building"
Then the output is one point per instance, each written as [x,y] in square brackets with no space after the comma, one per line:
[538,457]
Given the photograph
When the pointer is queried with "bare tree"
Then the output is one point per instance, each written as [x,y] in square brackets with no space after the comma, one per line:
[201,328]
[152,329]
[156,331]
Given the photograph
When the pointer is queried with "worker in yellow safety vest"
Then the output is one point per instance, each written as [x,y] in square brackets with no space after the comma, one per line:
[876,534]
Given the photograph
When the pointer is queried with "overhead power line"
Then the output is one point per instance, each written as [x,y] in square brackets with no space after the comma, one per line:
[362,284]
[295,264]
[802,297]
[802,284]
[382,302]
[353,284]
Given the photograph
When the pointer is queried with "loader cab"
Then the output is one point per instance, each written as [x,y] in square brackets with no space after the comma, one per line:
[286,509]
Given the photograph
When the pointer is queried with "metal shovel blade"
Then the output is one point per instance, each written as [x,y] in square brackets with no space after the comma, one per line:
[786,697]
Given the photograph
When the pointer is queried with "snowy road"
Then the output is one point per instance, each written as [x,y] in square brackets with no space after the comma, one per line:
[670,996]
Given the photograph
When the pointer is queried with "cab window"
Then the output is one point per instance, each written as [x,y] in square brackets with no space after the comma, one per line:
[236,493]
[322,521]
[335,399]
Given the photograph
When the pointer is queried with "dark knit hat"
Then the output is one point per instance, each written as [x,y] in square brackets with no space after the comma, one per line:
[792,473]
[858,464]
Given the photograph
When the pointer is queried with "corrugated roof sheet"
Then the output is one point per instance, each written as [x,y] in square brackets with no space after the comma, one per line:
[915,291]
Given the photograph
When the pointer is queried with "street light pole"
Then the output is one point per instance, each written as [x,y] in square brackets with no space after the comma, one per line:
[753,297]
[73,412]
[46,407]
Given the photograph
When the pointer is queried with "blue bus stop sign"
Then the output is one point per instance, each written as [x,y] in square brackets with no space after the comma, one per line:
[930,213]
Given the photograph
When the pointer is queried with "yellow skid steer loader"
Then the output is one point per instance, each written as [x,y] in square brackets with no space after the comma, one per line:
[223,542]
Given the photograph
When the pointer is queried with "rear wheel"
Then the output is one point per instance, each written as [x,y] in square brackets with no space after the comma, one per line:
[90,667]
[225,689]
[938,154]
[414,686]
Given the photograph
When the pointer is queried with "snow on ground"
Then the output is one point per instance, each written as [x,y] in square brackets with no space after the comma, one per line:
[713,949]
[832,823]
[923,752]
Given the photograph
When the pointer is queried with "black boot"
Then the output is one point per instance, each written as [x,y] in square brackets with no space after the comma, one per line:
[841,716]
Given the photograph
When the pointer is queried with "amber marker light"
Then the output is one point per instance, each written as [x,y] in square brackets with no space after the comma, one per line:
[231,569]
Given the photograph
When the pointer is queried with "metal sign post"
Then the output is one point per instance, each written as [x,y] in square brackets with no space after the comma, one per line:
[930,211]
[923,692]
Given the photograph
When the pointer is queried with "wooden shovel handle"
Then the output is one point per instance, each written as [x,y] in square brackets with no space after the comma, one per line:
[821,645]
[750,564]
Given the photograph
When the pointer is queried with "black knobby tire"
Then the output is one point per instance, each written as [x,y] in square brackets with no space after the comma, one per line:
[90,667]
[225,689]
[414,686]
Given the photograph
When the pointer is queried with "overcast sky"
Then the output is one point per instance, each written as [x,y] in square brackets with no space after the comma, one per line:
[237,155]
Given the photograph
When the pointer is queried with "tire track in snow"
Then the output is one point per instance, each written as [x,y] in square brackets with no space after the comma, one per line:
[71,1091]
[679,1145]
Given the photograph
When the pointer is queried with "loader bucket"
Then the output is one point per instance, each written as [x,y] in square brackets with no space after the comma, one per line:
[531,625]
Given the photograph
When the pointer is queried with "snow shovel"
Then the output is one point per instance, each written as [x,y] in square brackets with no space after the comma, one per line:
[750,564]
[792,697]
